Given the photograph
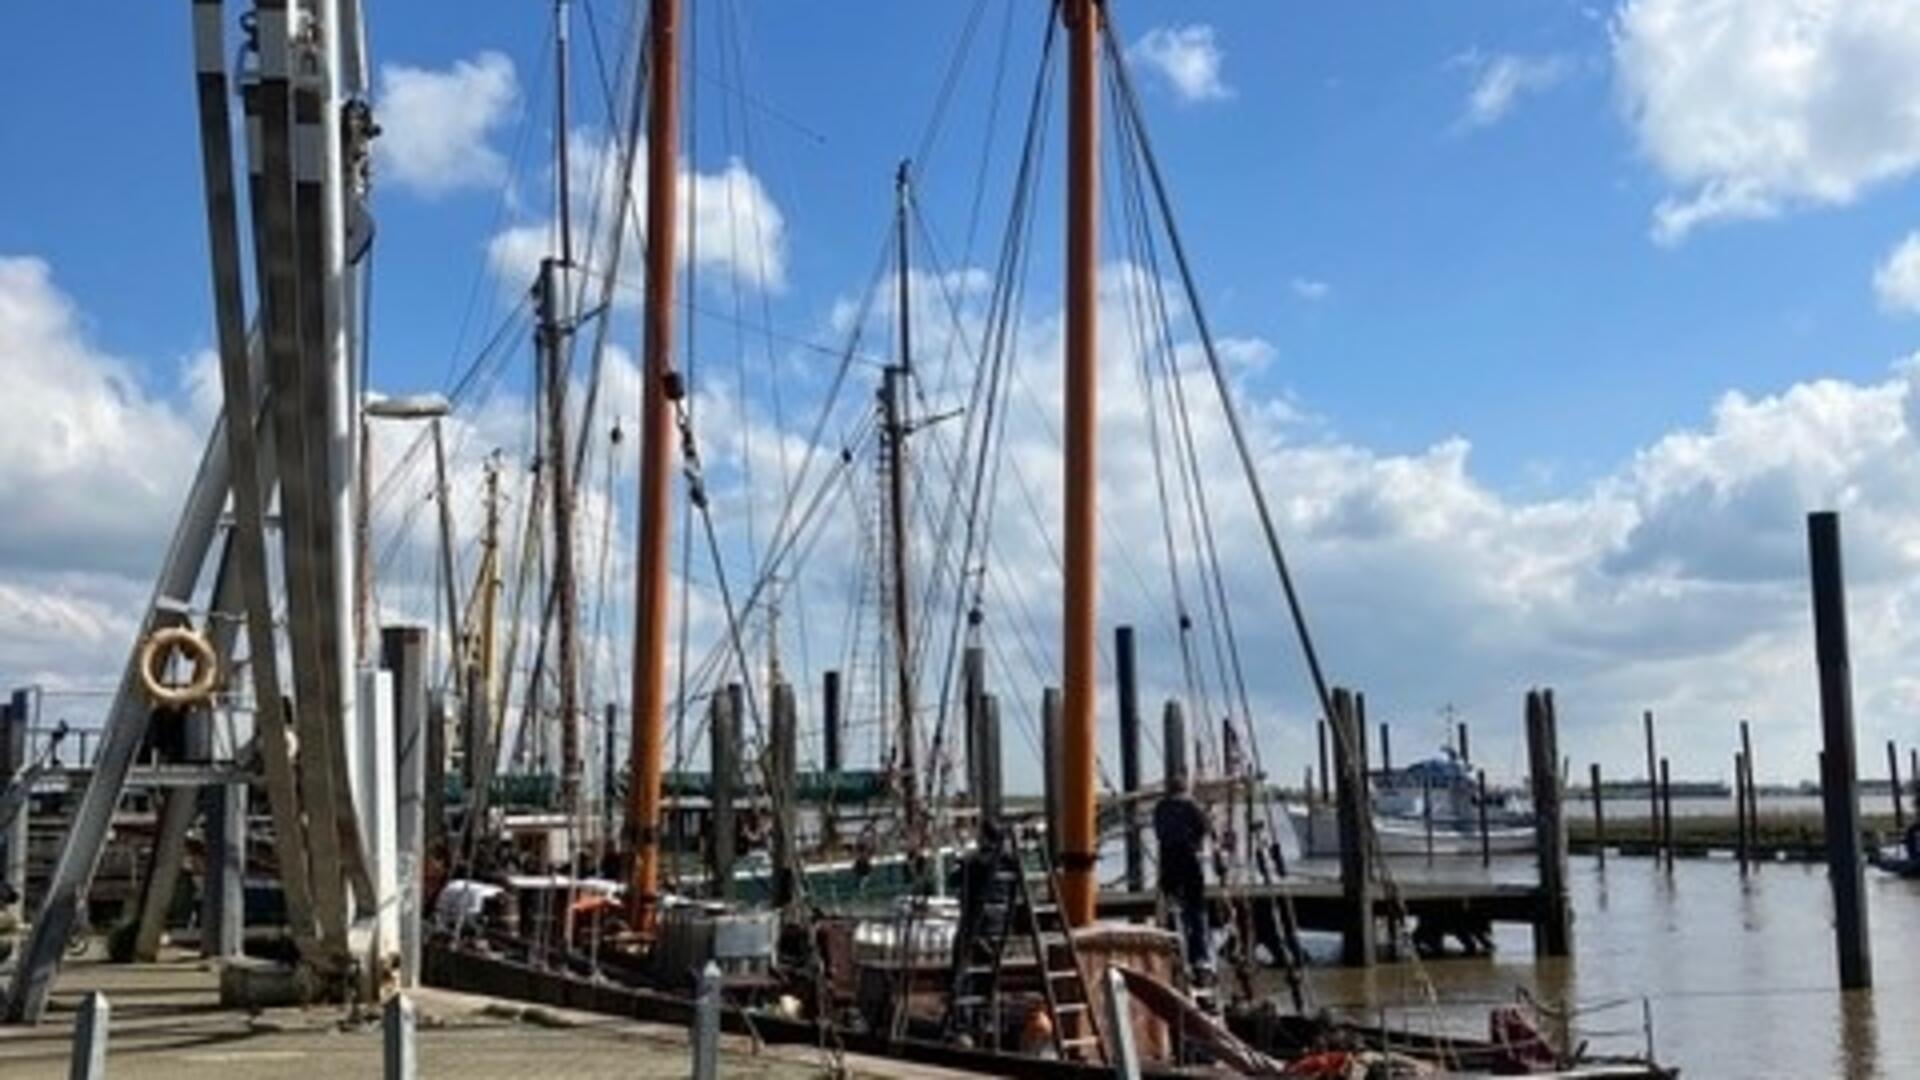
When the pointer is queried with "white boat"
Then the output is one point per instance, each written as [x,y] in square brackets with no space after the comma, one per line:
[1431,807]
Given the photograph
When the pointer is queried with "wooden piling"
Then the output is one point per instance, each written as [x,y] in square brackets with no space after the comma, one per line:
[1653,786]
[1752,807]
[1356,879]
[1426,809]
[1599,816]
[1129,700]
[1740,809]
[1486,833]
[1666,814]
[830,748]
[1466,746]
[783,774]
[1326,779]
[722,757]
[993,797]
[1553,934]
[1838,784]
[1386,748]
[1893,788]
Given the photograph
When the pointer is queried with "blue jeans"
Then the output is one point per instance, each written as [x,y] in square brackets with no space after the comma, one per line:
[1189,916]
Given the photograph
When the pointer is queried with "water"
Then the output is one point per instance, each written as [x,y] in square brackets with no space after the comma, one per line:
[1740,975]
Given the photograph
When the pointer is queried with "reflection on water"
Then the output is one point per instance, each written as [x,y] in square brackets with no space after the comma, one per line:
[1740,976]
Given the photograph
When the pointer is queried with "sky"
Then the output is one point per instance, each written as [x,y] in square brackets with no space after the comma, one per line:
[1553,319]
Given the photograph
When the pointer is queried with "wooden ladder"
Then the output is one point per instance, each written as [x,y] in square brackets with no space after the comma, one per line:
[1062,985]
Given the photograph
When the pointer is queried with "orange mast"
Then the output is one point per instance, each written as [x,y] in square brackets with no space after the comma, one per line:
[660,388]
[1077,841]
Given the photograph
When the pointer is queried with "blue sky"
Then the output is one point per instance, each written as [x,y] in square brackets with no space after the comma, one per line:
[1496,282]
[1558,232]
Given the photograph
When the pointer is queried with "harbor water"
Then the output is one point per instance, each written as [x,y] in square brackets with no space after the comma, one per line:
[1737,975]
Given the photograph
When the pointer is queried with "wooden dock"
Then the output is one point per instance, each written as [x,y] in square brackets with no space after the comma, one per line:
[1319,904]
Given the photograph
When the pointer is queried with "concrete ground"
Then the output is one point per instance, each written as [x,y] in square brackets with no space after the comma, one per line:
[167,1023]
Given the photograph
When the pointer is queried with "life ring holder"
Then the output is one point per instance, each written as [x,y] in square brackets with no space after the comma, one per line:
[160,647]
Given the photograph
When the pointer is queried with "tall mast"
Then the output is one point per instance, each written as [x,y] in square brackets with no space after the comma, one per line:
[555,330]
[656,463]
[1081,564]
[892,386]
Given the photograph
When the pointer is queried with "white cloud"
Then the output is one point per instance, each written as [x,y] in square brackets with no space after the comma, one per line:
[1500,81]
[435,124]
[1188,58]
[1753,108]
[1310,288]
[739,231]
[1896,281]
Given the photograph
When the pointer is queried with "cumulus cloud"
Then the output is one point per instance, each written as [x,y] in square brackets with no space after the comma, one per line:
[1674,582]
[1750,109]
[1896,281]
[435,124]
[1186,58]
[1500,81]
[739,232]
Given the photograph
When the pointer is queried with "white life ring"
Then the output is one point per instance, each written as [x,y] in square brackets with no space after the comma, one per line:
[159,648]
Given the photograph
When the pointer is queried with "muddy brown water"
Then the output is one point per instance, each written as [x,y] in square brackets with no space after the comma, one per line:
[1739,975]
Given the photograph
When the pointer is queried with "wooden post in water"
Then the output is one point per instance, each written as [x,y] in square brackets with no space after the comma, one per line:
[1837,781]
[1356,878]
[1553,933]
[783,777]
[723,722]
[1426,806]
[1386,747]
[1740,809]
[993,797]
[1466,747]
[1893,788]
[1666,814]
[1173,743]
[1486,833]
[1599,816]
[1752,807]
[1653,785]
[1913,775]
[1129,694]
[1326,779]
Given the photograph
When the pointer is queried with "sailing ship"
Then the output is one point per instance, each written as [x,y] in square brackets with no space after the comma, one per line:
[1018,969]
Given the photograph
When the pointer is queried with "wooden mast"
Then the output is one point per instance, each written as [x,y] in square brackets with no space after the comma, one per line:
[555,305]
[656,464]
[893,386]
[1077,841]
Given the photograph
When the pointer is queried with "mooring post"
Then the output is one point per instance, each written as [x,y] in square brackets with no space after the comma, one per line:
[1173,742]
[830,722]
[1599,816]
[398,1021]
[973,689]
[1553,933]
[1913,775]
[1326,778]
[996,790]
[1838,783]
[1050,738]
[706,1024]
[1386,747]
[1752,807]
[723,768]
[1740,809]
[1356,878]
[1129,693]
[89,1060]
[1653,785]
[1893,789]
[1666,813]
[1426,809]
[784,750]
[1486,833]
[1126,1057]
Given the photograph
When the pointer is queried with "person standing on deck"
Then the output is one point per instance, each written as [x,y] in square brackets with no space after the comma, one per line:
[1182,829]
